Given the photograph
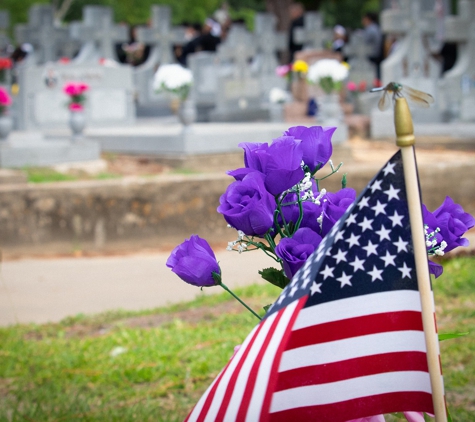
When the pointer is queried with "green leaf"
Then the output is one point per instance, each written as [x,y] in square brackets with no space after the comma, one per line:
[343,181]
[266,308]
[448,336]
[449,416]
[274,276]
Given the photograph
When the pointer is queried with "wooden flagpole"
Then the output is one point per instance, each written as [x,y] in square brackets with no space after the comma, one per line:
[405,140]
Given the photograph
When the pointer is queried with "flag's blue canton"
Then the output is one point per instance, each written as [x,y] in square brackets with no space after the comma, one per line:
[368,250]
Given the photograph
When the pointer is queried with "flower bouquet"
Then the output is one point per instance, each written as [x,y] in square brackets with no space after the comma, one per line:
[5,66]
[75,91]
[329,74]
[174,79]
[300,68]
[284,71]
[5,101]
[6,122]
[278,206]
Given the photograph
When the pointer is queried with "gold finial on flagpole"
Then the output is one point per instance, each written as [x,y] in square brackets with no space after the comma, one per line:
[403,123]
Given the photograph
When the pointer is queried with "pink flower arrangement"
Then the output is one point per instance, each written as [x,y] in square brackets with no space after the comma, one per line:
[75,107]
[283,70]
[353,87]
[5,100]
[75,91]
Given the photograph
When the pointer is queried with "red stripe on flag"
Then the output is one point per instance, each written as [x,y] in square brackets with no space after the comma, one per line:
[359,408]
[275,365]
[352,368]
[356,327]
[209,399]
[241,415]
[232,380]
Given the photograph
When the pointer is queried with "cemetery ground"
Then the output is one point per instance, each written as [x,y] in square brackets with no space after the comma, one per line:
[154,365]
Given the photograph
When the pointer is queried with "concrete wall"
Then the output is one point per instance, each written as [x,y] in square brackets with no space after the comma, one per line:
[159,212]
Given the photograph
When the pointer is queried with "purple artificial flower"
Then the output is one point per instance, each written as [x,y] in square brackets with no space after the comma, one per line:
[246,205]
[334,206]
[295,250]
[194,262]
[435,268]
[311,212]
[445,228]
[316,144]
[453,222]
[280,162]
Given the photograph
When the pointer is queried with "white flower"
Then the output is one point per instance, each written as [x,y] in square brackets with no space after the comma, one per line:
[172,77]
[277,95]
[327,68]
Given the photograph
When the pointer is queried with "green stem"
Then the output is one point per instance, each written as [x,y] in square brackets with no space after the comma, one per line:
[328,175]
[239,300]
[299,221]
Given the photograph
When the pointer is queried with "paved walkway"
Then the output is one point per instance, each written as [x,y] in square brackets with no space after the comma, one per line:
[42,290]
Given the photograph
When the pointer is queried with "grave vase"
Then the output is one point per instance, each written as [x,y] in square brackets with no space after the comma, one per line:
[6,125]
[299,89]
[187,112]
[330,113]
[77,123]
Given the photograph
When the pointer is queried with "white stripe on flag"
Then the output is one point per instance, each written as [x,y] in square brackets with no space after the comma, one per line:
[241,381]
[354,388]
[223,385]
[375,303]
[263,375]
[197,409]
[339,350]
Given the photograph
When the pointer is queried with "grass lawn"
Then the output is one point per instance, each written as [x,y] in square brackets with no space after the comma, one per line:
[154,365]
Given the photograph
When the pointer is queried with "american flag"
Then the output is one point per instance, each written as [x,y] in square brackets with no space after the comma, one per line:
[345,339]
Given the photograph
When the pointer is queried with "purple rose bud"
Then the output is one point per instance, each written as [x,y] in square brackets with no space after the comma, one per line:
[246,205]
[280,162]
[334,206]
[194,262]
[316,144]
[295,250]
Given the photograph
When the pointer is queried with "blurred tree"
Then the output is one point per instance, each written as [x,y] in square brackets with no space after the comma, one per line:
[347,13]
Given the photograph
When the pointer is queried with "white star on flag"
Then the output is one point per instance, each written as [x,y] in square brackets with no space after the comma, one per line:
[364,202]
[396,219]
[344,280]
[383,233]
[379,208]
[375,274]
[392,193]
[327,272]
[405,270]
[376,185]
[340,256]
[352,240]
[357,264]
[388,259]
[366,224]
[389,169]
[370,248]
[401,245]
